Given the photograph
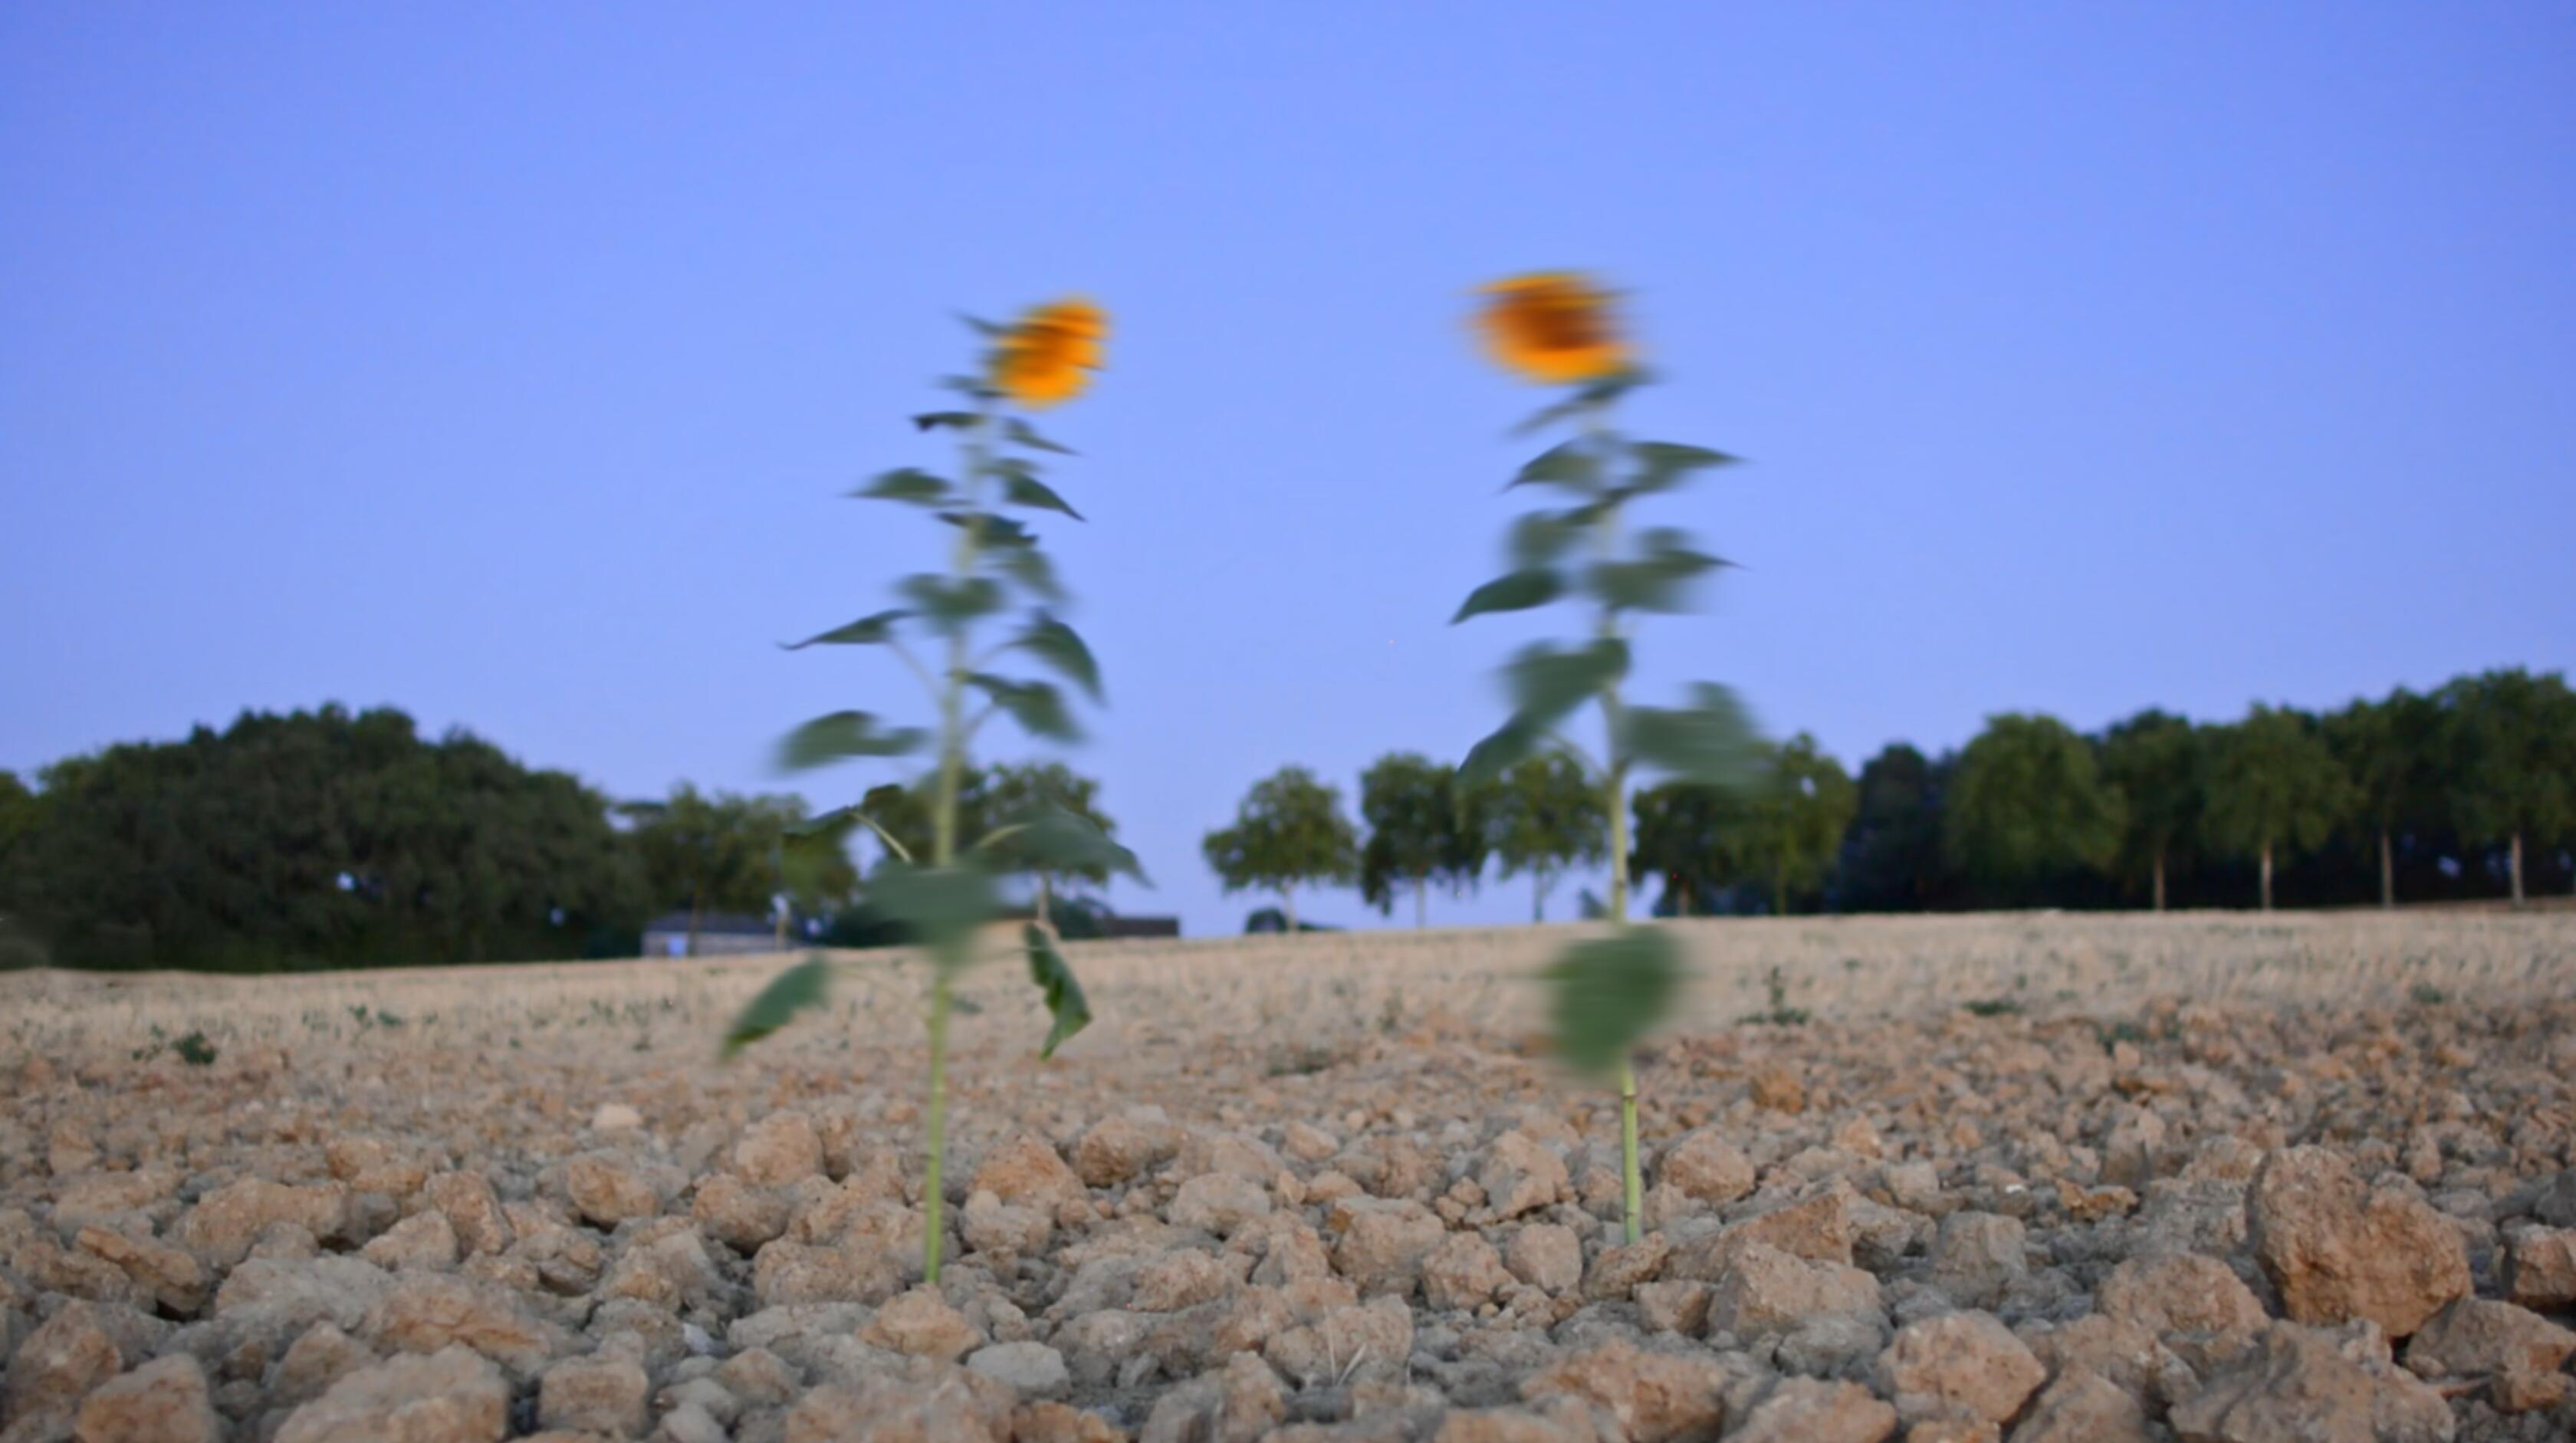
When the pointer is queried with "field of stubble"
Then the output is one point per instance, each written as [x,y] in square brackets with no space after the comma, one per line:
[2027,1177]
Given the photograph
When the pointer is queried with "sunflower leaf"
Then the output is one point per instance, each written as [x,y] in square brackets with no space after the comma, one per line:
[941,907]
[1662,465]
[1599,393]
[1606,995]
[1568,464]
[1055,982]
[841,735]
[908,484]
[1711,741]
[982,327]
[1543,537]
[951,602]
[1516,591]
[866,631]
[998,532]
[798,989]
[1546,681]
[1022,489]
[1052,837]
[1037,706]
[957,420]
[1031,568]
[1063,650]
[1022,433]
[1487,760]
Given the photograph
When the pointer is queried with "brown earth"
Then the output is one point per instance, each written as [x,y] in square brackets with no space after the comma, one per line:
[2025,1177]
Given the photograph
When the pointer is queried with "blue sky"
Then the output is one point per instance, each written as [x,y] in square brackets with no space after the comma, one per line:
[506,363]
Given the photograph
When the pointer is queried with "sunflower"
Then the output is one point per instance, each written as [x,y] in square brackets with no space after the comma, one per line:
[1041,360]
[1554,327]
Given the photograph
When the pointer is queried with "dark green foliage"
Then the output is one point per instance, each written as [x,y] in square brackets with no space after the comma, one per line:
[2274,789]
[1891,856]
[1545,816]
[2028,802]
[1605,995]
[312,839]
[1683,835]
[1289,832]
[800,988]
[2159,764]
[1056,984]
[1423,826]
[1790,825]
[2512,760]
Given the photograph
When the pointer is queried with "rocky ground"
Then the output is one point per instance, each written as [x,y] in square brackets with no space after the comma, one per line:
[2028,1178]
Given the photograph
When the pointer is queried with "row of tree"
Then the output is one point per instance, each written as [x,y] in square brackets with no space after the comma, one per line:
[331,838]
[2446,794]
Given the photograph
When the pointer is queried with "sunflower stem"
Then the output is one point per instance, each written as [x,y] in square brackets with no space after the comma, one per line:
[975,444]
[1605,540]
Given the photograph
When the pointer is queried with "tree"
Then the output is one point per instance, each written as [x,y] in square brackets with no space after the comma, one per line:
[2158,764]
[2387,750]
[1020,789]
[2029,803]
[2274,787]
[1789,827]
[1289,830]
[989,798]
[2512,759]
[1421,826]
[1547,817]
[320,838]
[720,852]
[1684,832]
[1891,858]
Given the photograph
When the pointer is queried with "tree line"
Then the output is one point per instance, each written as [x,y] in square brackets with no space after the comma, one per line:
[333,838]
[2465,791]
[337,838]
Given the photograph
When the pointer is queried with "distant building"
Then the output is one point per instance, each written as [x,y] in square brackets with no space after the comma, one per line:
[720,934]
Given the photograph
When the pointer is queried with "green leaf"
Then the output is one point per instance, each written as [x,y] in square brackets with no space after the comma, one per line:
[1599,393]
[1064,999]
[1606,995]
[866,631]
[795,990]
[1543,537]
[999,533]
[1711,741]
[952,603]
[1569,464]
[1487,760]
[1032,569]
[1063,650]
[843,734]
[1547,682]
[1021,489]
[982,327]
[1020,432]
[909,484]
[958,420]
[1657,580]
[940,906]
[1662,465]
[1037,706]
[1517,591]
[1051,838]
[838,820]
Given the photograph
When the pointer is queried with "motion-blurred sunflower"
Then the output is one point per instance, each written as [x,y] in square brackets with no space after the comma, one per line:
[1041,360]
[1554,327]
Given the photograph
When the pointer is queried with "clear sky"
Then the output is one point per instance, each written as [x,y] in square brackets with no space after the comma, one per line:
[505,363]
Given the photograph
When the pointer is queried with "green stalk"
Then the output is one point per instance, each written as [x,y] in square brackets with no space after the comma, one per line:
[952,762]
[1632,1180]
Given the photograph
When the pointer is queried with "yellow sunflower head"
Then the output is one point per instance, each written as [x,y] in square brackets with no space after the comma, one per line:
[1553,327]
[1042,359]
